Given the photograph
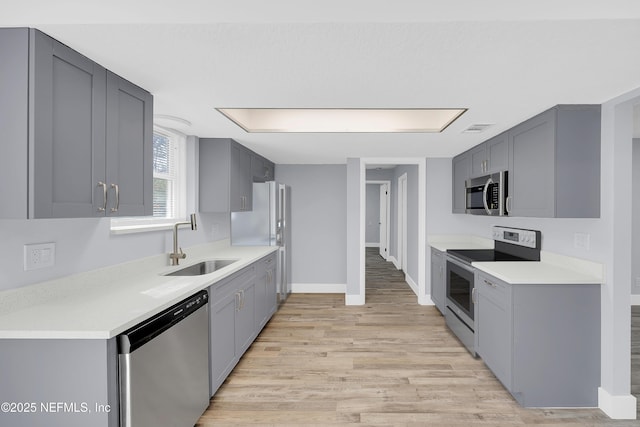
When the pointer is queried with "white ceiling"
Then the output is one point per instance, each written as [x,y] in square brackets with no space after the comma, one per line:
[504,60]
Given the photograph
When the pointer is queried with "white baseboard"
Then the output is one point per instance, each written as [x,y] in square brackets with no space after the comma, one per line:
[354,299]
[318,288]
[635,299]
[617,407]
[372,245]
[411,283]
[394,261]
[425,300]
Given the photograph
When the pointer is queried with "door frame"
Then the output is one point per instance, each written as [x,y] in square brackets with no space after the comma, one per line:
[421,162]
[388,225]
[402,248]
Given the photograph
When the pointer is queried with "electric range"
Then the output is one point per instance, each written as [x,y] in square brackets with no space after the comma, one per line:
[510,244]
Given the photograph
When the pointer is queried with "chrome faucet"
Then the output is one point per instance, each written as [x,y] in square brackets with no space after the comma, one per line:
[176,256]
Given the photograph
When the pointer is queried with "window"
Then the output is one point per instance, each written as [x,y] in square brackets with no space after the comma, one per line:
[165,175]
[169,185]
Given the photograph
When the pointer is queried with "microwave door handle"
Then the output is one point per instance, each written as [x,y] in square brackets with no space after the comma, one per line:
[484,195]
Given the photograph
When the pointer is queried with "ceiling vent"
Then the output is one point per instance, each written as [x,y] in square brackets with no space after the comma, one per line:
[477,127]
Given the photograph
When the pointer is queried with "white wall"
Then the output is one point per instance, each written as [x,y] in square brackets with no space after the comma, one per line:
[318,222]
[86,243]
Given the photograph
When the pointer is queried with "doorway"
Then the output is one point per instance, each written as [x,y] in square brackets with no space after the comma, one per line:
[415,242]
[378,216]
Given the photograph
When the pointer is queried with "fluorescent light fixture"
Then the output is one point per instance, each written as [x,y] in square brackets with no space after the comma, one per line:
[342,119]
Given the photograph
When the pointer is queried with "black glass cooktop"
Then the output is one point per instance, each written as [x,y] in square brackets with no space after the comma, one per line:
[482,255]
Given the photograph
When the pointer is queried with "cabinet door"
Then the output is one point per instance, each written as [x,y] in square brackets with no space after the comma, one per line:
[223,339]
[14,120]
[493,326]
[68,140]
[532,167]
[272,288]
[246,316]
[497,151]
[261,294]
[269,170]
[479,164]
[129,148]
[241,183]
[461,169]
[438,284]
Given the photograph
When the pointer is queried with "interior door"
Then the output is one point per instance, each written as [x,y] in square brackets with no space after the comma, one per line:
[384,225]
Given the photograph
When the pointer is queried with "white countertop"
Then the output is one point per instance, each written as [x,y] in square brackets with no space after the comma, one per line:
[538,273]
[551,269]
[103,303]
[445,242]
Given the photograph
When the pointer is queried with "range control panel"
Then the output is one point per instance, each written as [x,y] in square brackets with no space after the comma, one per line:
[517,236]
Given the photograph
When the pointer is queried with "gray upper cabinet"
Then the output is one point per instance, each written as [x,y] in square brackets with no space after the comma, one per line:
[241,180]
[490,156]
[261,168]
[554,164]
[129,148]
[461,172]
[227,173]
[78,146]
[225,176]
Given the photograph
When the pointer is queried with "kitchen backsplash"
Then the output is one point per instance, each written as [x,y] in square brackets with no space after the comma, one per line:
[84,244]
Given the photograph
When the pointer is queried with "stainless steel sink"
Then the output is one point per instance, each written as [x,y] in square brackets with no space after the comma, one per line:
[203,267]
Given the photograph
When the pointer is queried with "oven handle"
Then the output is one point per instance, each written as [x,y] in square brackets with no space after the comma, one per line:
[452,259]
[484,195]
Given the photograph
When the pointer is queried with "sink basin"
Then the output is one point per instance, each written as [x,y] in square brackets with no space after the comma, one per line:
[203,267]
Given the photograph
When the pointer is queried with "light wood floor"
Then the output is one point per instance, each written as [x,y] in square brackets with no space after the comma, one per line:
[390,362]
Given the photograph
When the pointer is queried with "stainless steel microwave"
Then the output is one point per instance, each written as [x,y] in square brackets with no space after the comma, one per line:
[487,195]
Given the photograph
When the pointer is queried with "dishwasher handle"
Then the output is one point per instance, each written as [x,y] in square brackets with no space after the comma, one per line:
[147,330]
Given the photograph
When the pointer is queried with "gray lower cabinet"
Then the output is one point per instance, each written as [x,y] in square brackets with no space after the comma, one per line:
[59,382]
[554,164]
[542,341]
[461,171]
[238,313]
[438,282]
[81,136]
[226,179]
[266,290]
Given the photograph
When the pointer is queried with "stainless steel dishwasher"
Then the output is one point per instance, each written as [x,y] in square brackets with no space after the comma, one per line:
[164,367]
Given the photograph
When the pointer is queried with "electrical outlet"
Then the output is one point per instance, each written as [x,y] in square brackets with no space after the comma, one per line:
[39,255]
[637,284]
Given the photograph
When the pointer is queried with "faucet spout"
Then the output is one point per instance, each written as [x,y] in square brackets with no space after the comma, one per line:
[177,253]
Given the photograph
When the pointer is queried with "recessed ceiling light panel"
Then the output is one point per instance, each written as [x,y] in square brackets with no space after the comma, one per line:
[342,119]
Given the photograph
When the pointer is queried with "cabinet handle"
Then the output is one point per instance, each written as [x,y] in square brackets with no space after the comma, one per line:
[104,196]
[237,301]
[493,285]
[242,299]
[117,190]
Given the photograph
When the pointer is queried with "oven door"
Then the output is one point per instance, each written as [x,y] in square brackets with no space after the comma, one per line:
[460,284]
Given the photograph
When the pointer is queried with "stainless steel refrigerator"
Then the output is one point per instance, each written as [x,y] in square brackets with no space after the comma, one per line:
[268,225]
